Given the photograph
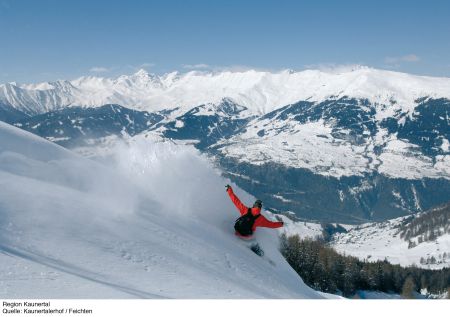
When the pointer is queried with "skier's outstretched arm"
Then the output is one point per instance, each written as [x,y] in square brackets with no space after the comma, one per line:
[264,222]
[239,205]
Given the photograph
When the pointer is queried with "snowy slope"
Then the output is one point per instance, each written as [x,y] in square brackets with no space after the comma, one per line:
[295,138]
[261,92]
[379,241]
[153,223]
[303,229]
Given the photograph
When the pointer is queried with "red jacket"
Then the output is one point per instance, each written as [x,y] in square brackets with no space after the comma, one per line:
[261,221]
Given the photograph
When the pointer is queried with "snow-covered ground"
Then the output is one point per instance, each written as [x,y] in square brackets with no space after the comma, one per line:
[301,228]
[154,222]
[376,295]
[309,146]
[380,295]
[379,241]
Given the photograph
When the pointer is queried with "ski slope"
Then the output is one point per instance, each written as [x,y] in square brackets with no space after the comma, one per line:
[152,222]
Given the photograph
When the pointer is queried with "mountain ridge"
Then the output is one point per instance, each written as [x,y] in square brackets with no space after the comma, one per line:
[259,91]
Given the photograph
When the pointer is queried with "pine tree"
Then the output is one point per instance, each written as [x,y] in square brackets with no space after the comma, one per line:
[433,260]
[408,288]
[424,282]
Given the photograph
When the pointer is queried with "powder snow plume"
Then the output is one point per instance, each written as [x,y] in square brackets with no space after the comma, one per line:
[154,222]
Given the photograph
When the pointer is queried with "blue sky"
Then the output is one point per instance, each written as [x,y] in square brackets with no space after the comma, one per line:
[51,39]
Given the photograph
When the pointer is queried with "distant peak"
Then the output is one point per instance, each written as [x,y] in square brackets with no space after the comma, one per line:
[142,73]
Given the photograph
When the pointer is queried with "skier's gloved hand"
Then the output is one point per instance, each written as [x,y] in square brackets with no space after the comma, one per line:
[227,187]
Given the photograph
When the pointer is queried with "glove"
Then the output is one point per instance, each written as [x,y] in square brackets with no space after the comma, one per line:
[228,187]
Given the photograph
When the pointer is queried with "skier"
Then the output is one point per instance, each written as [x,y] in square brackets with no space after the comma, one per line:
[250,218]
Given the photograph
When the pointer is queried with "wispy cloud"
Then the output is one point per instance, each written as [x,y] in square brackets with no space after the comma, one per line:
[238,68]
[410,58]
[136,67]
[227,68]
[147,65]
[335,68]
[98,69]
[196,66]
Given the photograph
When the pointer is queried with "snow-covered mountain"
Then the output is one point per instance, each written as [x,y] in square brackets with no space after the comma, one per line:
[345,137]
[260,92]
[422,240]
[374,142]
[155,222]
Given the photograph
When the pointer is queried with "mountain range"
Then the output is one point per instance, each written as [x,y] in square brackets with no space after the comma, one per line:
[375,143]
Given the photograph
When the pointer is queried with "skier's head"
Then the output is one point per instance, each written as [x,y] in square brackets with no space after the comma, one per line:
[257,204]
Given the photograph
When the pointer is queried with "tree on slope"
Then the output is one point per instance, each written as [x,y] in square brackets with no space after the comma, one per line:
[408,288]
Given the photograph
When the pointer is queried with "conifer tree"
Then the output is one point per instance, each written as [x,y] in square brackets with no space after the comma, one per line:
[408,288]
